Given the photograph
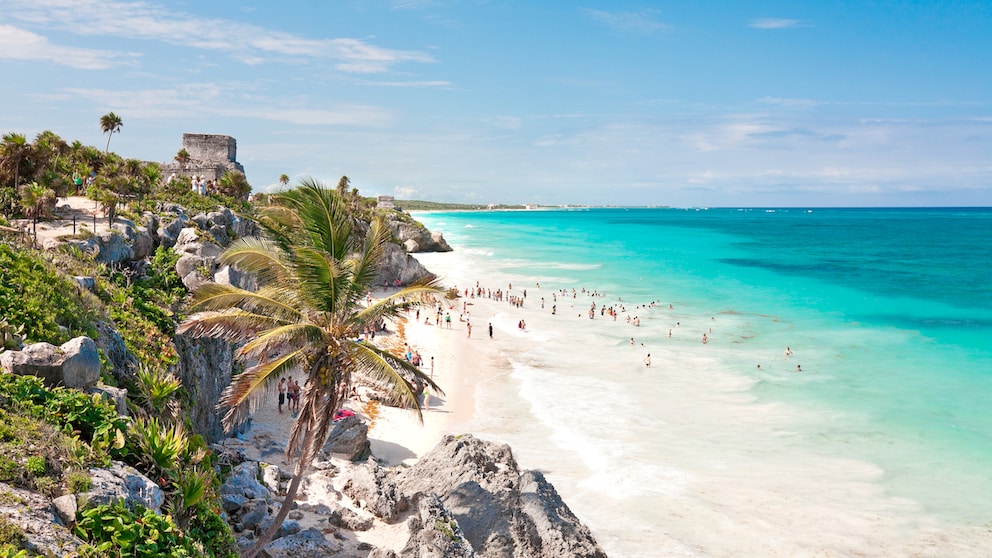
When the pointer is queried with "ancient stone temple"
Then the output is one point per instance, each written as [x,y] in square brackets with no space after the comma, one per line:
[210,156]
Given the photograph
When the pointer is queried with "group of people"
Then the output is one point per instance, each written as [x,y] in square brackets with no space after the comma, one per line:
[289,388]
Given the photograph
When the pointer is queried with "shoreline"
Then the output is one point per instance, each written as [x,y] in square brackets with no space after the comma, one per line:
[494,390]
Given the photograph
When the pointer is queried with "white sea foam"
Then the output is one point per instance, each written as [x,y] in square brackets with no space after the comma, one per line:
[694,456]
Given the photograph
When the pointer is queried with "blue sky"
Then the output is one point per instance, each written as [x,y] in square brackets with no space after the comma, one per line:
[823,103]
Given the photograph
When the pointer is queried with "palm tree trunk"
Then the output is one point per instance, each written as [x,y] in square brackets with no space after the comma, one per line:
[110,135]
[294,486]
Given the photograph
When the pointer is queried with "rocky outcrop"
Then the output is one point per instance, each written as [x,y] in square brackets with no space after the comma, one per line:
[33,514]
[121,482]
[75,364]
[435,533]
[398,267]
[349,439]
[501,511]
[415,238]
[124,365]
[205,368]
[125,242]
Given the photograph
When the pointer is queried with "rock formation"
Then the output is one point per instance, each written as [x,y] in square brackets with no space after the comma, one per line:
[415,237]
[75,364]
[467,497]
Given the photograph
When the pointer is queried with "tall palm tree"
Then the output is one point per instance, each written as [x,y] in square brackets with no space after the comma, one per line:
[284,179]
[110,123]
[314,268]
[13,151]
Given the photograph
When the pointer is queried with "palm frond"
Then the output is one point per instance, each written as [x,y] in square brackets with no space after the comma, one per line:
[242,396]
[215,296]
[232,324]
[280,337]
[262,258]
[377,365]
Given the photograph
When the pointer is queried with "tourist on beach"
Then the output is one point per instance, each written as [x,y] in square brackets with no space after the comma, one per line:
[490,330]
[294,395]
[705,339]
[447,319]
[799,368]
[788,351]
[647,360]
[282,393]
[468,327]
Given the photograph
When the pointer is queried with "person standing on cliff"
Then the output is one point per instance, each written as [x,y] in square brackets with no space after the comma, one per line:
[282,393]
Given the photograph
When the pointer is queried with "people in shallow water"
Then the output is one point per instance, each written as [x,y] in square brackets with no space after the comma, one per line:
[647,360]
[799,368]
[788,351]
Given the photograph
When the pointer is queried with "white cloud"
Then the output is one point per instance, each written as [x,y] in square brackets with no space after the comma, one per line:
[775,23]
[404,193]
[643,22]
[20,44]
[249,43]
[211,99]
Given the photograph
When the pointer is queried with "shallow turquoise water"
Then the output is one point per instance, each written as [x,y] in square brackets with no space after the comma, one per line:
[888,311]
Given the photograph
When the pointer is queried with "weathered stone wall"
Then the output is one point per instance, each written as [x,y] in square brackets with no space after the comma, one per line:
[211,155]
[211,147]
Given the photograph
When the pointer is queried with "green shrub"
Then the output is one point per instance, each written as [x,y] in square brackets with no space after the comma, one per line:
[115,530]
[10,534]
[35,465]
[78,481]
[35,296]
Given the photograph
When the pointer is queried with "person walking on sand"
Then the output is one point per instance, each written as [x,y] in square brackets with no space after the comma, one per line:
[468,327]
[647,360]
[490,331]
[282,393]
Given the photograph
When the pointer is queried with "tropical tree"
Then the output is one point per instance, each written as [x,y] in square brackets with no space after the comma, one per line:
[110,123]
[233,184]
[37,200]
[182,157]
[13,150]
[284,179]
[314,268]
[343,184]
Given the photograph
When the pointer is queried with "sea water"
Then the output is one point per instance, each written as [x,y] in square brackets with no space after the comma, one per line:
[881,445]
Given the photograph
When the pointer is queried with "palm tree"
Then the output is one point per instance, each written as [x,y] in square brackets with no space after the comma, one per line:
[182,157]
[284,179]
[110,123]
[314,269]
[13,150]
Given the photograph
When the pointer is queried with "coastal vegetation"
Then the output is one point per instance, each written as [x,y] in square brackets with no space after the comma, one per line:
[418,205]
[49,437]
[315,265]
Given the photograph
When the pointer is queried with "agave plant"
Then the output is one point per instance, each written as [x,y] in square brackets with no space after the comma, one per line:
[156,391]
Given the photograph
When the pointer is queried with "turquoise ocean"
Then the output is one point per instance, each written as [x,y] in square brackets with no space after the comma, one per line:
[880,446]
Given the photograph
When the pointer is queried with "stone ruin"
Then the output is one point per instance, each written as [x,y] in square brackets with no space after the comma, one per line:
[210,156]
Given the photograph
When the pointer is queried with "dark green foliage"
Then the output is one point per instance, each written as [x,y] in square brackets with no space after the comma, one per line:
[73,412]
[10,202]
[114,530]
[179,191]
[32,294]
[208,526]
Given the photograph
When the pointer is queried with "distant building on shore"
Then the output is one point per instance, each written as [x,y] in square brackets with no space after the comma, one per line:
[210,156]
[386,202]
